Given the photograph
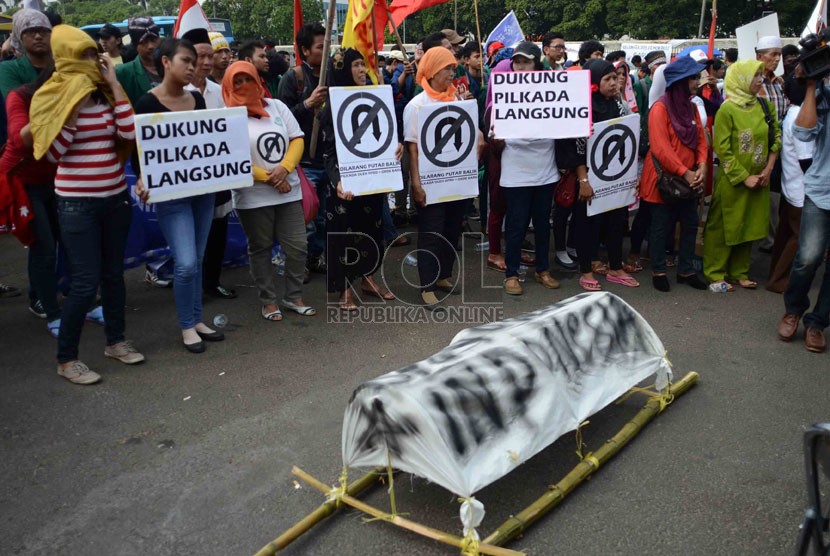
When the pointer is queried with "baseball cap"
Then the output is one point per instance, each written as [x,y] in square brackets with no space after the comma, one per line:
[396,55]
[109,30]
[527,49]
[453,37]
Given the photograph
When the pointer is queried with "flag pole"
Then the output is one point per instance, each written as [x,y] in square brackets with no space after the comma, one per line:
[480,46]
[392,26]
[702,15]
[324,70]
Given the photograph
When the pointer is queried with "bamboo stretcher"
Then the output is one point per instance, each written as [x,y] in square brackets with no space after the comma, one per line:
[516,525]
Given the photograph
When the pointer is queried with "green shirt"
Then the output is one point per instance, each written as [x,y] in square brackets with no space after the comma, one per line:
[16,73]
[741,142]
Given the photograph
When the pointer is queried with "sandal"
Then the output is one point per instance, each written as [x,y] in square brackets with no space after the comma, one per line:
[527,260]
[498,267]
[589,285]
[54,327]
[273,316]
[379,292]
[302,310]
[96,315]
[347,304]
[627,281]
[633,264]
[598,267]
[748,284]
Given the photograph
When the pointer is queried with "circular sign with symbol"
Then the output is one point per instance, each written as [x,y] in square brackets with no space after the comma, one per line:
[365,125]
[447,136]
[613,152]
[271,147]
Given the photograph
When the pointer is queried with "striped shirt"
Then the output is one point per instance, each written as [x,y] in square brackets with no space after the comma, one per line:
[88,164]
[773,91]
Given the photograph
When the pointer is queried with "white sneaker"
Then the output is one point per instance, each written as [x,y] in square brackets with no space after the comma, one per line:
[78,373]
[153,279]
[124,352]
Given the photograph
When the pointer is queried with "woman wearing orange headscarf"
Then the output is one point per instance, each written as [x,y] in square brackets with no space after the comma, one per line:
[272,209]
[439,225]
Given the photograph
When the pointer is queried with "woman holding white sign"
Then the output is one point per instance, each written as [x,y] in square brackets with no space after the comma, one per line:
[606,104]
[272,209]
[81,120]
[184,222]
[439,224]
[354,233]
[528,175]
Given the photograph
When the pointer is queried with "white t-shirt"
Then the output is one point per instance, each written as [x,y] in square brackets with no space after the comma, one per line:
[212,95]
[528,163]
[410,116]
[793,150]
[701,109]
[269,140]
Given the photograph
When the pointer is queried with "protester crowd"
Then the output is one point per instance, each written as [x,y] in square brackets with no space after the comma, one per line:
[724,135]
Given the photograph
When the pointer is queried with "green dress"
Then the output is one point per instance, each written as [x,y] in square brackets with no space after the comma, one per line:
[738,215]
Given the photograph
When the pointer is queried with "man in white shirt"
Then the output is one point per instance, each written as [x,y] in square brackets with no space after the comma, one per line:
[217,238]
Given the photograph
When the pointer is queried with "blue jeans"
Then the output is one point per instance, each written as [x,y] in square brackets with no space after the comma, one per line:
[390,233]
[185,224]
[94,234]
[813,240]
[316,229]
[524,204]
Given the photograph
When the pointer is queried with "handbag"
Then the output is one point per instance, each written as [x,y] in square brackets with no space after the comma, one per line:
[565,192]
[311,203]
[673,189]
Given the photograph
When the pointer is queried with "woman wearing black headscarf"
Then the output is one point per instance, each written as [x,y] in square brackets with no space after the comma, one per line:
[605,99]
[353,224]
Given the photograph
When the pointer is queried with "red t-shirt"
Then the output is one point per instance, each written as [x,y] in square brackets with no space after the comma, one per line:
[17,157]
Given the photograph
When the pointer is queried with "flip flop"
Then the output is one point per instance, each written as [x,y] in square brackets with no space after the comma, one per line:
[302,310]
[495,266]
[599,268]
[748,284]
[590,285]
[627,281]
[379,293]
[273,316]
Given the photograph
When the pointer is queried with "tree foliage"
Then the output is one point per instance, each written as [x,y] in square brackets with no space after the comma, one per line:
[272,20]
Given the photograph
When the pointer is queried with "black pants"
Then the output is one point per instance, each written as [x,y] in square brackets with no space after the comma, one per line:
[43,281]
[560,228]
[640,227]
[439,227]
[663,220]
[215,252]
[587,235]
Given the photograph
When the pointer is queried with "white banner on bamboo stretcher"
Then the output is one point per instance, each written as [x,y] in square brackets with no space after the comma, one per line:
[502,392]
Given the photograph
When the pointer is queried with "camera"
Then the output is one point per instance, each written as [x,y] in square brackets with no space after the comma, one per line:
[815,54]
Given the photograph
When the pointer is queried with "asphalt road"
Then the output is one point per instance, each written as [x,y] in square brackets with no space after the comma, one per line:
[191,454]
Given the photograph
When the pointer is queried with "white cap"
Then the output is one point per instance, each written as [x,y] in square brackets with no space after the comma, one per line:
[770,41]
[396,55]
[698,55]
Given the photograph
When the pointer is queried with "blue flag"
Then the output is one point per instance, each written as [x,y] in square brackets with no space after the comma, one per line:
[508,32]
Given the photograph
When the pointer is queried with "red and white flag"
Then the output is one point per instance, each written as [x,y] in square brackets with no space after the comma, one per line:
[191,16]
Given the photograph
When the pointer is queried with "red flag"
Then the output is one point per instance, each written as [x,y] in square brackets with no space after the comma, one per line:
[298,22]
[401,9]
[191,16]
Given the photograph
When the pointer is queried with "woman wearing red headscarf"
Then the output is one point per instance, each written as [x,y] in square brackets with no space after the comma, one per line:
[272,209]
[439,224]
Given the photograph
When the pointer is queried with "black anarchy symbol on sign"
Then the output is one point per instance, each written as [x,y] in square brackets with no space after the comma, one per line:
[271,147]
[452,124]
[614,141]
[373,108]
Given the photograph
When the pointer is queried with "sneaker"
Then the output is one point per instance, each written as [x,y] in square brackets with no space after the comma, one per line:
[8,291]
[78,373]
[221,292]
[317,263]
[54,327]
[152,278]
[564,260]
[124,352]
[96,316]
[36,308]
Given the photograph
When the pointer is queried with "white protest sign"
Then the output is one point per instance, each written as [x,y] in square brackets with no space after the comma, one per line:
[447,154]
[541,104]
[183,154]
[640,49]
[366,139]
[612,163]
[502,392]
[749,34]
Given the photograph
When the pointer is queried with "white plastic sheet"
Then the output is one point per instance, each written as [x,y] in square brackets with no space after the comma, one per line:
[502,392]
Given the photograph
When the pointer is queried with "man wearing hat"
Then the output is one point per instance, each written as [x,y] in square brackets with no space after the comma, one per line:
[768,51]
[221,56]
[455,39]
[109,37]
[31,33]
[139,76]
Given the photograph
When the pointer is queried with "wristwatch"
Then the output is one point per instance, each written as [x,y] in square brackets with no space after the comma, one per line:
[583,180]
